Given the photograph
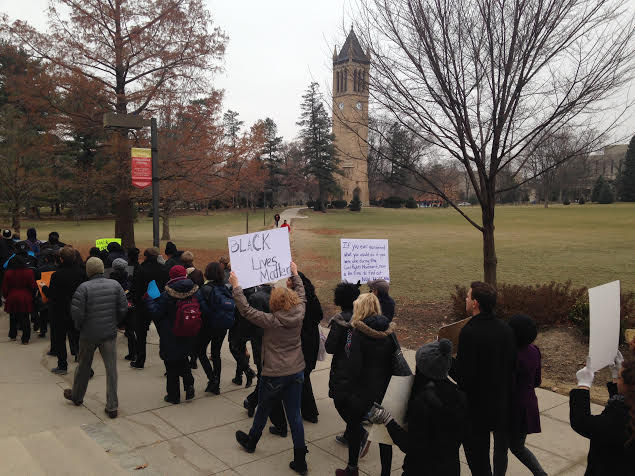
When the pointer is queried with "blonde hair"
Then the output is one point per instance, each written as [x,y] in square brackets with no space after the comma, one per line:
[283,299]
[364,306]
[187,258]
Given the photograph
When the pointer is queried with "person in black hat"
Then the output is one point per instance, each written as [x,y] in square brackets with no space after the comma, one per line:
[435,416]
[174,256]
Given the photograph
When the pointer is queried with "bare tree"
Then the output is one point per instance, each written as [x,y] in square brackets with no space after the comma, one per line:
[485,81]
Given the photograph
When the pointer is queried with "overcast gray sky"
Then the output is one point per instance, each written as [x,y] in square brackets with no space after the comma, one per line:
[276,48]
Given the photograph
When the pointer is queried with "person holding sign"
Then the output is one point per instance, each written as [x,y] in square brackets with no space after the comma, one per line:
[612,433]
[435,416]
[283,362]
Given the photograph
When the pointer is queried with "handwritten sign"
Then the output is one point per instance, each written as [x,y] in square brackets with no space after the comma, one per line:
[102,243]
[364,260]
[261,257]
[396,402]
[604,329]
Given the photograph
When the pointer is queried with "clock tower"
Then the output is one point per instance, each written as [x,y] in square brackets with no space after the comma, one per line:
[350,117]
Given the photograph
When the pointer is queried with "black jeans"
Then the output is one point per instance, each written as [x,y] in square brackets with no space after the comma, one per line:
[238,347]
[19,320]
[141,325]
[64,326]
[477,444]
[175,369]
[43,319]
[352,412]
[526,457]
[215,337]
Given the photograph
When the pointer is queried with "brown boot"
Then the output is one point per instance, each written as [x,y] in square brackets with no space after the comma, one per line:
[68,395]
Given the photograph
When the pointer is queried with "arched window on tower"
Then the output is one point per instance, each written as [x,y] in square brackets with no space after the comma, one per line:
[337,82]
[363,81]
[354,80]
[345,80]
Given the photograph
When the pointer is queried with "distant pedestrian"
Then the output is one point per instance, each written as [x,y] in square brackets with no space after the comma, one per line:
[525,416]
[286,225]
[276,218]
[98,306]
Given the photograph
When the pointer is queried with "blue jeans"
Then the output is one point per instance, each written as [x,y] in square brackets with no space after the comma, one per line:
[289,390]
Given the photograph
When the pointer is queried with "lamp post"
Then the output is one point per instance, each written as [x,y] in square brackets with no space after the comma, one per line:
[131,121]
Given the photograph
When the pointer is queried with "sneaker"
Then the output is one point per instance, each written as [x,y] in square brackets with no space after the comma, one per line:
[341,439]
[364,446]
[60,370]
[135,365]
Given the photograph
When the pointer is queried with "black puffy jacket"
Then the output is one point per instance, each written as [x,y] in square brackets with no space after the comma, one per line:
[340,328]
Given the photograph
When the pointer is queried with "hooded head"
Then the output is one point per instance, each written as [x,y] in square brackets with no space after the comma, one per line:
[119,264]
[434,359]
[31,234]
[113,246]
[177,271]
[94,266]
[54,237]
[524,328]
[170,248]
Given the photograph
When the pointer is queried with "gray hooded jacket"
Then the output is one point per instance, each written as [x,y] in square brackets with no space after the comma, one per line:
[98,305]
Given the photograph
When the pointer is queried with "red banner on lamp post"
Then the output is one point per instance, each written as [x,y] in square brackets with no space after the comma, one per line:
[141,167]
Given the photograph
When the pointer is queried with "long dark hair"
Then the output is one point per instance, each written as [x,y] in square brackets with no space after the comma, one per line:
[214,272]
[313,306]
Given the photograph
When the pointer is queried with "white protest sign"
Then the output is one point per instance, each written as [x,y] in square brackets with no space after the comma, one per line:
[364,260]
[604,309]
[396,402]
[260,257]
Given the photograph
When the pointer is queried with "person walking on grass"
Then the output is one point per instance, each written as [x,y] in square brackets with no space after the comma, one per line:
[283,362]
[484,369]
[525,416]
[369,349]
[98,306]
[612,433]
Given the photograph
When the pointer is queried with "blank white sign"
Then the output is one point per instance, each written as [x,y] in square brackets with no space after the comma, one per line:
[604,309]
[261,257]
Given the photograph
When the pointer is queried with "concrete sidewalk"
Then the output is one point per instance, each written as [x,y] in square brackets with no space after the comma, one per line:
[41,433]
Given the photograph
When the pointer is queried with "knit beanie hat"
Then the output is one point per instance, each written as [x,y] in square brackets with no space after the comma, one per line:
[6,233]
[177,271]
[119,264]
[94,266]
[170,248]
[434,359]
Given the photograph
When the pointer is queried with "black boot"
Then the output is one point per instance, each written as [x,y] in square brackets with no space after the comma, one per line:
[299,460]
[189,392]
[246,441]
[213,386]
[249,374]
[238,379]
[277,430]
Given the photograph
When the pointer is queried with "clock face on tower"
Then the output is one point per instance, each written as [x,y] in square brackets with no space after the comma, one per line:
[358,106]
[341,105]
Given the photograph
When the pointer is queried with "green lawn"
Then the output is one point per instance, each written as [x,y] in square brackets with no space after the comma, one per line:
[431,250]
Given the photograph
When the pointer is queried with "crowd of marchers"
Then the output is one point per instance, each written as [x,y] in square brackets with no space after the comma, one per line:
[485,388]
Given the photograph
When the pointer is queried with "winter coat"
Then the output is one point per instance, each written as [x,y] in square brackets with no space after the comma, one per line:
[34,246]
[149,270]
[387,306]
[310,334]
[435,417]
[484,369]
[64,283]
[340,329]
[173,261]
[608,432]
[171,347]
[281,341]
[369,363]
[113,255]
[525,416]
[6,250]
[98,306]
[18,288]
[122,277]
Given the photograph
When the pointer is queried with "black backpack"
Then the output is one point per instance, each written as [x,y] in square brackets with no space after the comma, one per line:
[221,305]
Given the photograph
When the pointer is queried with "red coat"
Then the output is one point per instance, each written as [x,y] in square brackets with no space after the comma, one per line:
[17,288]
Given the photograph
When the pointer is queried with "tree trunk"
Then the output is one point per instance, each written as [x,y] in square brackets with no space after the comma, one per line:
[124,219]
[58,209]
[489,249]
[165,226]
